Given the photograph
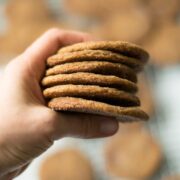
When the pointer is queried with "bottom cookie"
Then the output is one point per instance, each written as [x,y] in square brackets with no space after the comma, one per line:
[123,114]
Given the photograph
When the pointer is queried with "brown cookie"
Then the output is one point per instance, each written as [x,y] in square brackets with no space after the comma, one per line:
[90,79]
[104,94]
[94,55]
[125,26]
[133,155]
[173,177]
[164,46]
[164,10]
[20,11]
[105,68]
[99,9]
[66,164]
[123,114]
[124,48]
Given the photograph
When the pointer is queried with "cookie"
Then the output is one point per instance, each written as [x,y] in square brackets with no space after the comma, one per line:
[20,11]
[164,10]
[164,46]
[173,177]
[90,79]
[133,155]
[104,94]
[98,9]
[125,26]
[66,164]
[120,47]
[104,68]
[94,55]
[123,114]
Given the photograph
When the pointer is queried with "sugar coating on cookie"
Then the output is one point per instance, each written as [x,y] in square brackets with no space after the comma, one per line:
[123,114]
[121,47]
[94,55]
[89,79]
[104,94]
[105,68]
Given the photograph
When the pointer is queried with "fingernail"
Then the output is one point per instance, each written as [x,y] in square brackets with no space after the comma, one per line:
[109,127]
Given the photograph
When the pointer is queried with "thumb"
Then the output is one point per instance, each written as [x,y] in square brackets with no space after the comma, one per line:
[82,125]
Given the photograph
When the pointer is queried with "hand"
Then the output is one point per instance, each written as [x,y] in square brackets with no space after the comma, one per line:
[27,126]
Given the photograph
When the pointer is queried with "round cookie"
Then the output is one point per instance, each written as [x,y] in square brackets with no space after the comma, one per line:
[25,12]
[90,79]
[66,164]
[124,48]
[94,55]
[125,26]
[164,10]
[123,114]
[99,9]
[18,38]
[134,154]
[164,46]
[173,177]
[104,94]
[105,68]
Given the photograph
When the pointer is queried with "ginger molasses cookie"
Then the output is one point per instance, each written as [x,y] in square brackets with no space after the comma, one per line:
[67,164]
[123,114]
[125,26]
[164,10]
[92,55]
[93,77]
[101,67]
[104,94]
[81,78]
[172,177]
[124,48]
[99,9]
[134,154]
[20,11]
[164,46]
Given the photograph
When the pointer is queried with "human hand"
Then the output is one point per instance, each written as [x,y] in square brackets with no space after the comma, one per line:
[27,126]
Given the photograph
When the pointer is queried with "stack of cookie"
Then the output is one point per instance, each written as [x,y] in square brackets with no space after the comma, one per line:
[96,78]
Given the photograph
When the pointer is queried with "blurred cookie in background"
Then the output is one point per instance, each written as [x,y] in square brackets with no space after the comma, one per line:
[67,164]
[27,20]
[16,40]
[163,10]
[99,8]
[173,177]
[24,12]
[125,26]
[164,46]
[133,154]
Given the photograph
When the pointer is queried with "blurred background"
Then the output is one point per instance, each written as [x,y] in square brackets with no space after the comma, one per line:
[140,151]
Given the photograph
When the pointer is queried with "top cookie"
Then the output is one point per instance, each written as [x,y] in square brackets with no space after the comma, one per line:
[121,47]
